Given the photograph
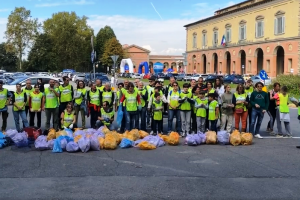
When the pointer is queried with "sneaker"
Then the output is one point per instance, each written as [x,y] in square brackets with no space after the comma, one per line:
[193,132]
[298,147]
[151,133]
[258,136]
[169,132]
[187,133]
[287,136]
[279,136]
[269,130]
[182,134]
[272,133]
[148,125]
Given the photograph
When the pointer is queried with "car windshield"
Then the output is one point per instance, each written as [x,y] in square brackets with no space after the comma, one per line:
[18,80]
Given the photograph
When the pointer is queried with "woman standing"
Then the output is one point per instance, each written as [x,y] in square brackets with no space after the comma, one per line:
[174,108]
[219,87]
[227,108]
[93,97]
[35,105]
[209,90]
[196,91]
[240,100]
[68,117]
[272,108]
[80,105]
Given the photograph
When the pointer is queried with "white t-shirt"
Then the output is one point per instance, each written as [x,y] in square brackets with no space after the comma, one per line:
[112,80]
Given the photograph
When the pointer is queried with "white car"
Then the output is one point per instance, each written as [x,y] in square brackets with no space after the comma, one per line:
[11,87]
[136,75]
[197,76]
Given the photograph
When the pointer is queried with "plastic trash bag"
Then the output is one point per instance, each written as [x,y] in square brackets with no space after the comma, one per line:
[133,135]
[163,137]
[101,142]
[173,138]
[72,147]
[63,143]
[235,138]
[143,134]
[41,143]
[95,145]
[78,137]
[223,137]
[51,134]
[69,132]
[110,142]
[51,143]
[120,115]
[3,140]
[137,142]
[246,138]
[202,137]
[116,135]
[61,133]
[211,137]
[190,140]
[20,139]
[11,133]
[84,144]
[144,145]
[197,139]
[105,130]
[79,132]
[126,143]
[56,146]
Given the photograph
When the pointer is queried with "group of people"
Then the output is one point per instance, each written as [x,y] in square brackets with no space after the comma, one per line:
[196,106]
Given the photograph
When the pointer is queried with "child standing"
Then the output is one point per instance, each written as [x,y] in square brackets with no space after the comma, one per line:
[201,106]
[213,112]
[283,112]
[157,107]
[185,99]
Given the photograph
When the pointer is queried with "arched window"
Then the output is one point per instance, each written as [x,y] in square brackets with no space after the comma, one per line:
[242,30]
[194,40]
[279,23]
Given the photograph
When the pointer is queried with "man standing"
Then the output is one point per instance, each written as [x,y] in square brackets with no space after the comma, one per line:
[249,89]
[99,85]
[4,101]
[50,100]
[170,87]
[260,103]
[136,82]
[66,95]
[201,84]
[142,113]
[150,89]
[28,89]
[19,100]
[93,102]
[107,95]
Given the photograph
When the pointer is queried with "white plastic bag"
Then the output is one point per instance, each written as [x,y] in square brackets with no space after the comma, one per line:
[94,143]
[72,147]
[11,133]
[41,143]
[51,144]
[63,144]
[84,144]
[223,137]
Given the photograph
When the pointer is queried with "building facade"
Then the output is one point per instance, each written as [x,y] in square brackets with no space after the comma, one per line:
[246,38]
[139,54]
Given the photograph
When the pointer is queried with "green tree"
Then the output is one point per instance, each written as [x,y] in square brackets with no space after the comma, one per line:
[71,37]
[112,47]
[21,31]
[42,57]
[102,37]
[8,60]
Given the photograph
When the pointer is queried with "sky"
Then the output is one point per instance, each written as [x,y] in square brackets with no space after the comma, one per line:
[156,25]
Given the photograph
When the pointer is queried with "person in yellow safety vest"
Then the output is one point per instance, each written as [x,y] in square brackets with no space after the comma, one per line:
[5,97]
[149,89]
[51,105]
[107,95]
[80,104]
[99,85]
[68,118]
[209,90]
[174,108]
[133,104]
[66,95]
[28,89]
[19,100]
[196,91]
[118,97]
[249,89]
[123,90]
[106,116]
[36,106]
[142,113]
[283,113]
[93,101]
[136,82]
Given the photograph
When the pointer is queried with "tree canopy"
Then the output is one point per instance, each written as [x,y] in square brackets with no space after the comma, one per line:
[8,60]
[103,36]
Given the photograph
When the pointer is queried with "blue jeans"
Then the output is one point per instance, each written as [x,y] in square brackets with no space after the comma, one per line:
[171,115]
[142,115]
[213,125]
[131,120]
[260,116]
[148,116]
[111,127]
[17,115]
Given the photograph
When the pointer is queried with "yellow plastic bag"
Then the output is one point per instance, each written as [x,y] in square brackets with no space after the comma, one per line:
[146,146]
[110,142]
[235,138]
[116,136]
[101,142]
[51,135]
[61,133]
[173,138]
[105,130]
[143,134]
[246,138]
[211,137]
[78,137]
[164,137]
[133,135]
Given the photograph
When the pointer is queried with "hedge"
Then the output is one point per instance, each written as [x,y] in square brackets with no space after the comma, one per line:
[291,81]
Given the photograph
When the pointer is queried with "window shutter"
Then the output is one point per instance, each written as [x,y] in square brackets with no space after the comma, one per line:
[213,39]
[229,35]
[217,38]
[262,28]
[283,24]
[256,29]
[239,32]
[245,32]
[275,26]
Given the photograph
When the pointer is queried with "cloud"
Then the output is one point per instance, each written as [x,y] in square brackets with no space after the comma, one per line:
[158,36]
[3,22]
[5,10]
[64,3]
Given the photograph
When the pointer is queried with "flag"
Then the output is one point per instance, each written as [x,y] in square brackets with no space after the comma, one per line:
[223,41]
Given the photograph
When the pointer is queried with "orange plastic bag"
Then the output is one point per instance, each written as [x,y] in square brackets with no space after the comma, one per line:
[164,137]
[235,138]
[133,135]
[173,138]
[51,135]
[143,134]
[211,137]
[110,142]
[146,146]
[116,136]
[246,138]
[61,133]
[105,130]
[101,142]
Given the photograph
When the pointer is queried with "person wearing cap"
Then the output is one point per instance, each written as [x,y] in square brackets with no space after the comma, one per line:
[5,97]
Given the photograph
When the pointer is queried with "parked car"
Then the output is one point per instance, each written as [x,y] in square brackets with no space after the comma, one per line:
[79,77]
[126,75]
[247,76]
[197,76]
[257,79]
[235,79]
[213,77]
[2,78]
[180,77]
[136,75]
[187,77]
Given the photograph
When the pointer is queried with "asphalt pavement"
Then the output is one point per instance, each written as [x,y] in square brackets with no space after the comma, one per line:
[268,169]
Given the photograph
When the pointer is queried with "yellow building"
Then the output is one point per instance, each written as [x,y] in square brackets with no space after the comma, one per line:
[259,34]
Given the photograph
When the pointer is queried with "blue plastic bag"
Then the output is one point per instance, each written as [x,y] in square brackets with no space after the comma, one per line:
[57,147]
[3,141]
[120,115]
[126,143]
